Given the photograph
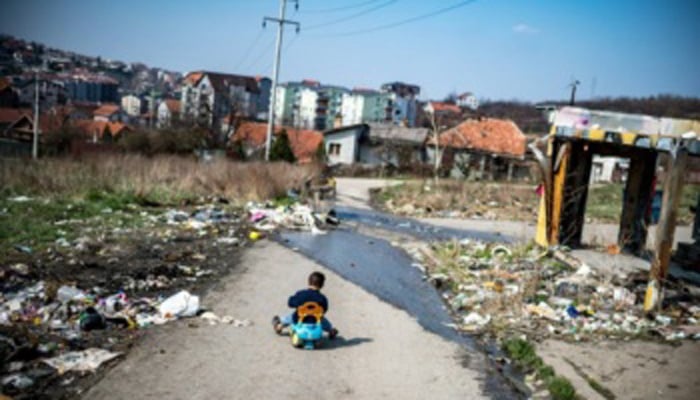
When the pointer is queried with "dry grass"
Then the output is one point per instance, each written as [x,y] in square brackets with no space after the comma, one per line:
[162,179]
[507,201]
[466,199]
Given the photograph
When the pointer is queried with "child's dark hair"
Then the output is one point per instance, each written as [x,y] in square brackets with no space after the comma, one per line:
[317,279]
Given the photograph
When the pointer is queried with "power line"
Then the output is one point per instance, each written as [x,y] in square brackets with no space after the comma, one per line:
[403,22]
[289,44]
[249,49]
[352,16]
[336,9]
[264,50]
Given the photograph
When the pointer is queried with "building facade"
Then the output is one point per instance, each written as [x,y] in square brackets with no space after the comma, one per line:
[468,100]
[404,102]
[308,104]
[133,105]
[207,97]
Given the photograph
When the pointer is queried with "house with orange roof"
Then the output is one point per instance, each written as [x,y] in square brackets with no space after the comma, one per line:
[17,128]
[252,136]
[441,108]
[101,131]
[167,112]
[109,113]
[478,147]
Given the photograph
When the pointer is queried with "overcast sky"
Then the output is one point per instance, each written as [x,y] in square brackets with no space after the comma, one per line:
[499,49]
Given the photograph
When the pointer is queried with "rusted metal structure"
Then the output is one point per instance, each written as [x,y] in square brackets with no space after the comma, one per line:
[576,135]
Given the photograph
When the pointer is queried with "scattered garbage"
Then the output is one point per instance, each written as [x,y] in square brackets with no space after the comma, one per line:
[266,217]
[496,288]
[214,319]
[77,300]
[81,361]
[254,235]
[17,381]
[90,320]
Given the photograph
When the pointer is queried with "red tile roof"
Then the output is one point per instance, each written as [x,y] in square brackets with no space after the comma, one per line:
[21,121]
[10,115]
[444,107]
[193,77]
[106,110]
[91,128]
[310,82]
[488,135]
[304,142]
[173,105]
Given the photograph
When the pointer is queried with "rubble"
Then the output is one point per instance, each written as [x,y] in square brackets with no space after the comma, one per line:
[494,289]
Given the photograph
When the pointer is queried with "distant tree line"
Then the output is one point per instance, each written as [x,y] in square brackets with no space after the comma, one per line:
[532,120]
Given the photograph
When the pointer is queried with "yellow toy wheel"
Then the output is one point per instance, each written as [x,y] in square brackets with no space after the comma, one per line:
[296,341]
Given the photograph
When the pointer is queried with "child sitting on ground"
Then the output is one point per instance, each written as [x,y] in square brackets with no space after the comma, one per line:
[313,294]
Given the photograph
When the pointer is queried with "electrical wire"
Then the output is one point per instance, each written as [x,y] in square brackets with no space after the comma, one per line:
[249,50]
[286,48]
[352,16]
[265,50]
[336,9]
[402,22]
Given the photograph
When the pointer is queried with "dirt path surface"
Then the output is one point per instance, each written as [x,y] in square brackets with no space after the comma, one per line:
[630,370]
[381,352]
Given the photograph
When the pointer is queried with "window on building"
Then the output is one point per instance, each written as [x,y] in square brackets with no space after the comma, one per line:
[334,149]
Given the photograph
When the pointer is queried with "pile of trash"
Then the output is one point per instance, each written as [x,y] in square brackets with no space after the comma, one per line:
[268,217]
[62,321]
[493,288]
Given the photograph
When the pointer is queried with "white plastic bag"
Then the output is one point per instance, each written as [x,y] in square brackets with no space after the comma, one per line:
[181,304]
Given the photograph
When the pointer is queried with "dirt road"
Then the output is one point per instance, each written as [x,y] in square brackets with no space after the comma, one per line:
[381,352]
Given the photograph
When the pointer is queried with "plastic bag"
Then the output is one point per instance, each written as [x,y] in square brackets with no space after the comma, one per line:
[181,304]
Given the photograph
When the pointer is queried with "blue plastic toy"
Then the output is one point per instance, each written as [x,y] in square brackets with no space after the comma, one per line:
[307,332]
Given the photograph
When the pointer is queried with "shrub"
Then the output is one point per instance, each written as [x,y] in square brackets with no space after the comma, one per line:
[561,389]
[136,142]
[281,150]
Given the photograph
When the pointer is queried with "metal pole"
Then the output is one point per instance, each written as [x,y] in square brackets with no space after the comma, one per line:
[275,73]
[35,144]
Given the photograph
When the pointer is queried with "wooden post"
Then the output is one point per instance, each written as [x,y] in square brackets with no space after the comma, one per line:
[638,195]
[510,170]
[673,186]
[576,176]
[482,167]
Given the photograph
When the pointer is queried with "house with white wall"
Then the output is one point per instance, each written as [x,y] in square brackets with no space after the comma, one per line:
[375,144]
[207,96]
[168,111]
[133,105]
[468,100]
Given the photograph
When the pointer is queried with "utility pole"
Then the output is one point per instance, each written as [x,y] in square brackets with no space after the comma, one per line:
[35,143]
[276,69]
[574,84]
